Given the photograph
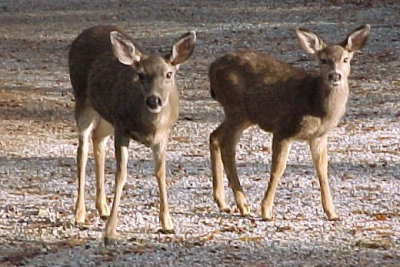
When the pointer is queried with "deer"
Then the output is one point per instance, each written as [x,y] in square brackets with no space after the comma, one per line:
[291,103]
[119,90]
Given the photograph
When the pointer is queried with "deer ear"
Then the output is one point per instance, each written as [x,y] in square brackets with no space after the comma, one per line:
[124,49]
[309,41]
[357,39]
[183,48]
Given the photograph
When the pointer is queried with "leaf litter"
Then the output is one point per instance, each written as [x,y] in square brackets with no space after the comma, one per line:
[38,143]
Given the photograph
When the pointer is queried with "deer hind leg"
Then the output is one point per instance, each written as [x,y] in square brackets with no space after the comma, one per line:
[218,169]
[159,152]
[85,121]
[227,136]
[101,134]
[319,156]
[280,151]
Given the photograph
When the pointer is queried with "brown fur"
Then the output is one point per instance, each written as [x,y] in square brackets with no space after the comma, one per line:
[292,104]
[120,90]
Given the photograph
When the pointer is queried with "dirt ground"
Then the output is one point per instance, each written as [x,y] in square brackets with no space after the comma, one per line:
[38,142]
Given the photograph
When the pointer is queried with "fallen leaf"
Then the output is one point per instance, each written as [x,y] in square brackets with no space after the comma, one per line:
[205,209]
[374,244]
[380,217]
[43,212]
[250,238]
[233,229]
[283,228]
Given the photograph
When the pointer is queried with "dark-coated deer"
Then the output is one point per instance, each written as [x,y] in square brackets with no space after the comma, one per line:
[121,91]
[292,104]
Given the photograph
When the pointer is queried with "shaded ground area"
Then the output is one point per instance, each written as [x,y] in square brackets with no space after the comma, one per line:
[38,142]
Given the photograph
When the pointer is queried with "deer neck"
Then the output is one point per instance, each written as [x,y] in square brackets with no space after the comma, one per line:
[332,100]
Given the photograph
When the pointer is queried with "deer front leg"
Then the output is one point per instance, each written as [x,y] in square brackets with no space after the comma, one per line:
[100,136]
[319,154]
[121,154]
[159,151]
[280,151]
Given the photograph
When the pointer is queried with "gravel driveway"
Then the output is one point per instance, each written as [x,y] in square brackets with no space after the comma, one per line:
[38,142]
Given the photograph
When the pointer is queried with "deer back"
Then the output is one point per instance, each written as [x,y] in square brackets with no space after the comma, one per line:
[84,50]
[135,92]
[264,90]
[284,99]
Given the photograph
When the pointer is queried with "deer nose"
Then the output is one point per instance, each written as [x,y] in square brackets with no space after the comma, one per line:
[153,102]
[334,77]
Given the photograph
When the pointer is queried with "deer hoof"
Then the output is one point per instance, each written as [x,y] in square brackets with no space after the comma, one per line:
[82,226]
[268,216]
[110,241]
[167,231]
[334,218]
[268,219]
[225,209]
[80,219]
[103,211]
[104,217]
[244,210]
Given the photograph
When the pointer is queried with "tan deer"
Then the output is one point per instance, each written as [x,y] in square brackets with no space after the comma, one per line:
[292,104]
[120,90]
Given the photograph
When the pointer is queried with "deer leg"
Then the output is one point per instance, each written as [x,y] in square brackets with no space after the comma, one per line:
[159,151]
[280,151]
[85,125]
[100,136]
[121,154]
[319,154]
[217,170]
[231,133]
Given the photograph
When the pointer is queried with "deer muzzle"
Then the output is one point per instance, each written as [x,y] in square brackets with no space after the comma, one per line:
[335,78]
[154,104]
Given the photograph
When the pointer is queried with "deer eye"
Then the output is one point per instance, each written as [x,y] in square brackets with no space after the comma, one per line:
[324,61]
[346,59]
[169,75]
